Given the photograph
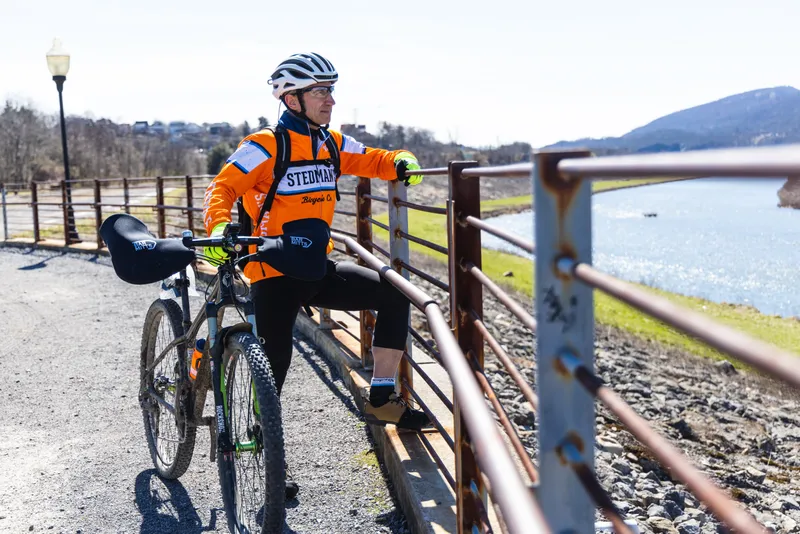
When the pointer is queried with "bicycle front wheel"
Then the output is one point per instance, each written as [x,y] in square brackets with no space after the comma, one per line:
[171,442]
[253,476]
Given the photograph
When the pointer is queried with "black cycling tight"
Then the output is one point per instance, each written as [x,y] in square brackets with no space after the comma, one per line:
[346,286]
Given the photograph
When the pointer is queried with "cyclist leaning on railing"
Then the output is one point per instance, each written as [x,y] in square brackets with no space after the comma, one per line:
[303,206]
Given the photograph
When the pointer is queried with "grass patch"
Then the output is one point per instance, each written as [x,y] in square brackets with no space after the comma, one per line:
[367,458]
[782,332]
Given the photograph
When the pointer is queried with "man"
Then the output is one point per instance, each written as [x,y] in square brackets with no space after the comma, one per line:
[307,191]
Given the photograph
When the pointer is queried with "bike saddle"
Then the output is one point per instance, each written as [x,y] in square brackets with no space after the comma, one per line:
[137,256]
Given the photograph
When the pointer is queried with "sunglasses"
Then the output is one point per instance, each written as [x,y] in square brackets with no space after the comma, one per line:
[320,92]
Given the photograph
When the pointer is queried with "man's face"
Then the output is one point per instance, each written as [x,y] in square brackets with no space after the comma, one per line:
[319,102]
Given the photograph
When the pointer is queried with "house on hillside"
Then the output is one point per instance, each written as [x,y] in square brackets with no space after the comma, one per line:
[158,128]
[176,128]
[140,127]
[220,128]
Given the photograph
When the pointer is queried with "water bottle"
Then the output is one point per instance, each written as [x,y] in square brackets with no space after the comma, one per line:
[197,353]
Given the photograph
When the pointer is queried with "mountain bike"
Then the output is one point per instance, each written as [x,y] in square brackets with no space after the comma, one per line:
[246,428]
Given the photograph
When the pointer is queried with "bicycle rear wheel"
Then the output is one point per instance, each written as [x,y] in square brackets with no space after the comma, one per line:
[253,477]
[171,444]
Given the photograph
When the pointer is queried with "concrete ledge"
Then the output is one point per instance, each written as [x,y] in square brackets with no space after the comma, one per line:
[424,494]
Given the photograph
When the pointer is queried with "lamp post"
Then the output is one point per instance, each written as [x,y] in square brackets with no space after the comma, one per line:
[58,63]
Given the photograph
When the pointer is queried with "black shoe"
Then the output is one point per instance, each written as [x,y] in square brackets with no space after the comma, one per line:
[396,411]
[292,488]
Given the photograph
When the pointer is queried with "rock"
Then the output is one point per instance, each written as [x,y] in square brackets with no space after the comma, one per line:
[508,274]
[789,524]
[689,500]
[684,429]
[623,506]
[789,193]
[609,445]
[675,496]
[648,485]
[661,525]
[697,515]
[649,498]
[755,475]
[673,509]
[689,527]
[791,503]
[766,446]
[656,510]
[621,466]
[650,475]
[636,512]
[623,489]
[784,504]
[725,367]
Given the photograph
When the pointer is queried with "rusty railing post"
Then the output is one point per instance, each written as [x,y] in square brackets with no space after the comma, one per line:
[35,211]
[161,216]
[126,195]
[189,204]
[5,213]
[399,252]
[466,294]
[98,213]
[364,233]
[65,204]
[565,317]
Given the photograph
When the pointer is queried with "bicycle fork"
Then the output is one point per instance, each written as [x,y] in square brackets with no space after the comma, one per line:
[220,431]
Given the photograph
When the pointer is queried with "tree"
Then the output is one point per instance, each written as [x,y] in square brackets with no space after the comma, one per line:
[217,156]
[245,129]
[24,139]
[263,123]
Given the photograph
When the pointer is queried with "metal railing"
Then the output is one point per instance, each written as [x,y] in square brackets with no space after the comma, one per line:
[168,204]
[560,491]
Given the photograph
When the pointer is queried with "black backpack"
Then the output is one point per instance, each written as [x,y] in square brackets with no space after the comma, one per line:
[284,156]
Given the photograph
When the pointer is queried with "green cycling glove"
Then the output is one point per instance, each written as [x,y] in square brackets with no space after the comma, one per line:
[217,253]
[405,161]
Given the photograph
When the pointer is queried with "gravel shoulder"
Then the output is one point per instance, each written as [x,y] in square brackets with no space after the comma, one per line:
[73,453]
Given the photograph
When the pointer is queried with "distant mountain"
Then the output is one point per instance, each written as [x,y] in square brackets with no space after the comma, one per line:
[761,117]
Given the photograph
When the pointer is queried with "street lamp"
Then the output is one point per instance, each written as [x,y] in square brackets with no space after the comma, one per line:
[58,63]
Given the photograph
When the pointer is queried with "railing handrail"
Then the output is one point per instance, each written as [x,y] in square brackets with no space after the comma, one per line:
[754,162]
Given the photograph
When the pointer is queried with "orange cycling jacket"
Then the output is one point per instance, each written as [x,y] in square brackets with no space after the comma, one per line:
[307,190]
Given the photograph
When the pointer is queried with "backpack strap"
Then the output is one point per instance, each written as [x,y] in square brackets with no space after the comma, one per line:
[333,150]
[284,146]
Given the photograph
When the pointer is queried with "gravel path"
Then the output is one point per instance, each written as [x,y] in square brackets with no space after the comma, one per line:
[73,456]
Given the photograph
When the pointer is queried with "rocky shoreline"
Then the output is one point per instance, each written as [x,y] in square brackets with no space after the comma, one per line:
[741,429]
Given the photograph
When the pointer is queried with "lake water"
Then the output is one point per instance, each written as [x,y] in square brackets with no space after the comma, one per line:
[721,239]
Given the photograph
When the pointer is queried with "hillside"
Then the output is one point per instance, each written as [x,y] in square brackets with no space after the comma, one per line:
[761,117]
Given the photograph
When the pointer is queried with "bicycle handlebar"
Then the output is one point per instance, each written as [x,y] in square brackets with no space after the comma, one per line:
[230,241]
[222,241]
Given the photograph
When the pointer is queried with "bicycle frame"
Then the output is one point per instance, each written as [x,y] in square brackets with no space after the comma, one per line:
[223,295]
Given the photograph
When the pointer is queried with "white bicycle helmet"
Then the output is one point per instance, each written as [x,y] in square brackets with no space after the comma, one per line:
[300,71]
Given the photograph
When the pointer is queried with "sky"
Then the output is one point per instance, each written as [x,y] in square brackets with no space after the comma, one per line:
[477,73]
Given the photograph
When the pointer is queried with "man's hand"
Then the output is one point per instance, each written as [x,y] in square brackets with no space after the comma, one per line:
[406,161]
[217,253]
